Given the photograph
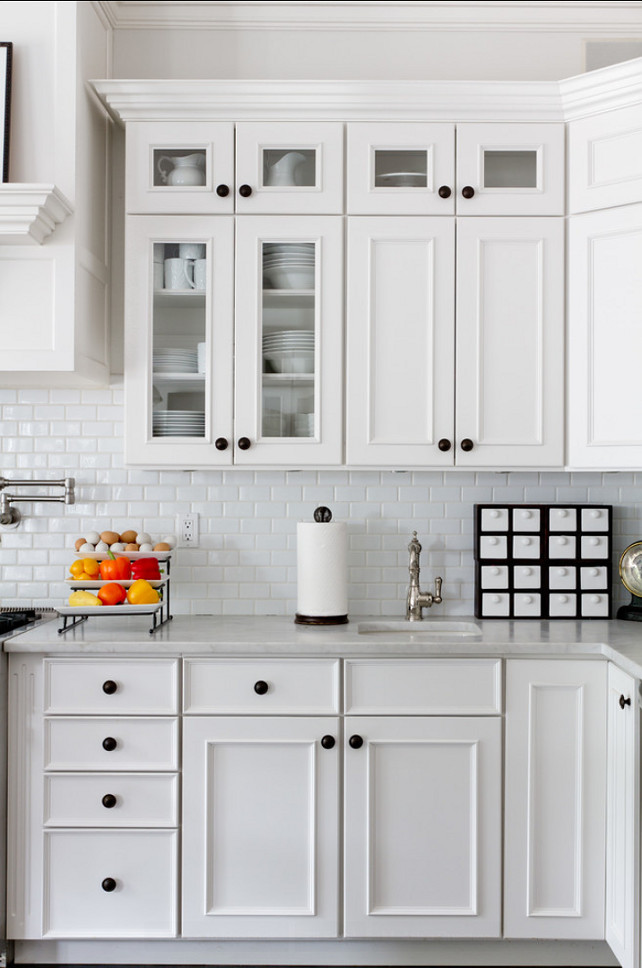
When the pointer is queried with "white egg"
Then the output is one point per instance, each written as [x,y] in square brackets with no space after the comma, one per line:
[117,546]
[86,547]
[102,547]
[170,539]
[146,547]
[92,537]
[143,538]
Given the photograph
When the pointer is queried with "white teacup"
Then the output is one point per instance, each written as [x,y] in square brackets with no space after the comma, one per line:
[178,274]
[200,274]
[191,250]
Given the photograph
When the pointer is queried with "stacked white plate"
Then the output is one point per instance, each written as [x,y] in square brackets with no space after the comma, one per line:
[179,423]
[288,265]
[175,361]
[290,351]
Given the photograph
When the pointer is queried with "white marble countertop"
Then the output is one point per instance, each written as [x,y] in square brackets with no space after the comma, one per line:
[241,636]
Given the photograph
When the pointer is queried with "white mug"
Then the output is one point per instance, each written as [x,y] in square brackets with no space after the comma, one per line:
[200,274]
[178,274]
[191,250]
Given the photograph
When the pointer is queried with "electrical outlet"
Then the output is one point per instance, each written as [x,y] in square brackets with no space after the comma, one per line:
[187,528]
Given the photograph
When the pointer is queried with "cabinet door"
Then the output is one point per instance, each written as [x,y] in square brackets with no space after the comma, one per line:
[555,799]
[260,828]
[510,169]
[605,160]
[400,341]
[510,342]
[285,168]
[423,827]
[180,167]
[289,340]
[605,338]
[622,818]
[400,168]
[179,340]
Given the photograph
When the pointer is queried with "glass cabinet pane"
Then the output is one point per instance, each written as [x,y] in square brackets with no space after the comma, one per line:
[289,167]
[179,349]
[510,169]
[400,168]
[178,167]
[288,339]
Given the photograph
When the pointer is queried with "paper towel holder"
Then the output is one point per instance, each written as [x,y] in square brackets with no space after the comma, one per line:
[322,515]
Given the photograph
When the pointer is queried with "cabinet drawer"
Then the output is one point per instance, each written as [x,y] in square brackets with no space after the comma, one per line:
[111,744]
[256,686]
[116,800]
[424,686]
[107,883]
[130,686]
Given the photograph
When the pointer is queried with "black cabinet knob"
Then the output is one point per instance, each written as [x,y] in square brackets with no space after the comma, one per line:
[109,801]
[356,742]
[624,702]
[467,444]
[245,191]
[109,744]
[444,444]
[327,742]
[467,191]
[221,443]
[244,443]
[109,885]
[261,687]
[444,192]
[110,687]
[222,191]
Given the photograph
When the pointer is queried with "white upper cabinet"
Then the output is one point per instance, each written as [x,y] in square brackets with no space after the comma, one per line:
[510,342]
[400,341]
[400,168]
[604,338]
[180,167]
[510,169]
[605,160]
[287,168]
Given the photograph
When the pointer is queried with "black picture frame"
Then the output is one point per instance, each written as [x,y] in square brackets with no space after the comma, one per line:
[6,56]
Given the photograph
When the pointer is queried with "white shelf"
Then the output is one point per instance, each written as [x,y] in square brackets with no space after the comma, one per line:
[30,213]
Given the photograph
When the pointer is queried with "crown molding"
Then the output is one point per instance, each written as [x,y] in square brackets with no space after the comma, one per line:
[30,213]
[618,86]
[615,20]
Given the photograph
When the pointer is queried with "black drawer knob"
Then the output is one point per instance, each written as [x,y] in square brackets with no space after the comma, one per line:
[467,191]
[221,443]
[109,744]
[244,443]
[109,801]
[109,885]
[444,192]
[444,444]
[245,191]
[624,702]
[222,191]
[110,687]
[261,687]
[356,742]
[327,742]
[467,444]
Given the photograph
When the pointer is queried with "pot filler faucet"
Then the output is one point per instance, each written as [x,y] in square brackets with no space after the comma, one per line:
[416,600]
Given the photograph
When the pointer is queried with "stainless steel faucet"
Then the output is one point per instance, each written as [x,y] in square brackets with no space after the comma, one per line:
[416,600]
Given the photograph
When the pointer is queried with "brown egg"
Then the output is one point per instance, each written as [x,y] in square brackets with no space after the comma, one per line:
[162,546]
[129,537]
[79,543]
[131,546]
[110,537]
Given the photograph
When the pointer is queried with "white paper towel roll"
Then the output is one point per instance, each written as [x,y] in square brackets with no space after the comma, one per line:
[322,569]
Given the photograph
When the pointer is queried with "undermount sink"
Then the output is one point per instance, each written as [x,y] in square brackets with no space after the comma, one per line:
[426,627]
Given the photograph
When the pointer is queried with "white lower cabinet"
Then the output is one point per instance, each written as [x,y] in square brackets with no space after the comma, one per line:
[555,781]
[423,827]
[260,827]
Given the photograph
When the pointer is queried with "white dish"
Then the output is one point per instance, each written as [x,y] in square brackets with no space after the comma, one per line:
[290,278]
[109,609]
[403,179]
[132,555]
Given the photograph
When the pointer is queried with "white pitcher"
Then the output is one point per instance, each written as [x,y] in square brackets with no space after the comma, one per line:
[184,170]
[282,172]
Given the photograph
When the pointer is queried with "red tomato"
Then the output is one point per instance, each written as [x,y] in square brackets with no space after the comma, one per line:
[112,594]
